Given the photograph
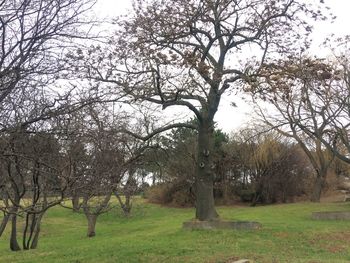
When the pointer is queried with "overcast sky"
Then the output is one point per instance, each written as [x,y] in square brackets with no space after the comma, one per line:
[230,118]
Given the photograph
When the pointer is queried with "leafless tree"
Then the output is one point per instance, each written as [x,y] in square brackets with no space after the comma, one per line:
[334,110]
[34,180]
[106,162]
[190,53]
[303,97]
[33,37]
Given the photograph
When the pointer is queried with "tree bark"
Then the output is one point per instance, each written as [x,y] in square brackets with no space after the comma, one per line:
[126,207]
[35,240]
[3,225]
[75,203]
[13,239]
[92,218]
[32,231]
[6,217]
[205,206]
[317,188]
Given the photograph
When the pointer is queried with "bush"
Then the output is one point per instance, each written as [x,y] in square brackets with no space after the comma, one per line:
[157,194]
[247,195]
[172,193]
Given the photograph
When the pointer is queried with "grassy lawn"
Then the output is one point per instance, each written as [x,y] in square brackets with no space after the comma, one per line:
[154,234]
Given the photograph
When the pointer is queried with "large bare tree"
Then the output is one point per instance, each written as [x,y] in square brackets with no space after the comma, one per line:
[190,54]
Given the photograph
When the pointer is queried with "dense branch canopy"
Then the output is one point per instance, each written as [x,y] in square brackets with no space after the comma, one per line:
[189,53]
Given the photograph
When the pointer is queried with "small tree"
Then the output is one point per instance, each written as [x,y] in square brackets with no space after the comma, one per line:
[106,160]
[34,181]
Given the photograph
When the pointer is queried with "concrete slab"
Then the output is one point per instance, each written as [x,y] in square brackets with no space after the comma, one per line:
[341,215]
[241,225]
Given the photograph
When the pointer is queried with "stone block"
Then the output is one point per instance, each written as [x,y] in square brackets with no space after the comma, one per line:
[341,215]
[241,225]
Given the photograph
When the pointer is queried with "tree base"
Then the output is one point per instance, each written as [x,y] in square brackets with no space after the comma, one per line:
[217,224]
[341,215]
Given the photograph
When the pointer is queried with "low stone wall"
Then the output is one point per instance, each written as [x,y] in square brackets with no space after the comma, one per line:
[342,215]
[246,225]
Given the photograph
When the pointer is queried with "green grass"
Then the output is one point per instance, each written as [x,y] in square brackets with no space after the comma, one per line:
[154,234]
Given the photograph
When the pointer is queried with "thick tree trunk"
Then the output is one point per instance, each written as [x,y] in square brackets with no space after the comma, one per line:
[92,218]
[321,164]
[205,206]
[317,188]
[13,239]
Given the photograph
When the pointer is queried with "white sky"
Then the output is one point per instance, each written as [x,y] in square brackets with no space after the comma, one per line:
[230,118]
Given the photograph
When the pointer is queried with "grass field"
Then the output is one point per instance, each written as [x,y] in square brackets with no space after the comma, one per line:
[154,234]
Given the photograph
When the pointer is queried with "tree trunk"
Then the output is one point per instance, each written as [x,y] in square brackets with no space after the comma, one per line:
[92,218]
[317,188]
[35,241]
[75,203]
[126,207]
[32,230]
[4,221]
[205,207]
[13,239]
[321,165]
[6,217]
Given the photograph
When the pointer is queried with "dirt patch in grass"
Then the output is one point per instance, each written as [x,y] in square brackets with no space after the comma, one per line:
[336,236]
[282,235]
[337,242]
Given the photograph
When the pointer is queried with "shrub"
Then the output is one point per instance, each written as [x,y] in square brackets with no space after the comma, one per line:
[247,195]
[172,193]
[157,194]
